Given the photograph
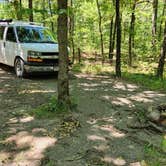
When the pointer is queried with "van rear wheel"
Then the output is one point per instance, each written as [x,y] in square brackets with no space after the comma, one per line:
[19,67]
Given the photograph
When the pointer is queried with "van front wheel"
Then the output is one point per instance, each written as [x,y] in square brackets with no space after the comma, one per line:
[19,67]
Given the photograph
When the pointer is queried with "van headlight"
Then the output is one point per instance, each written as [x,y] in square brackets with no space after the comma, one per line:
[34,53]
[34,56]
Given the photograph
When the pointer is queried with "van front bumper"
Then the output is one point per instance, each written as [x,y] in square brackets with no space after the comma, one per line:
[37,68]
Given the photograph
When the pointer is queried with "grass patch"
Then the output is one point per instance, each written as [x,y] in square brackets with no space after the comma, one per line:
[147,80]
[92,68]
[144,74]
[141,74]
[51,109]
[153,157]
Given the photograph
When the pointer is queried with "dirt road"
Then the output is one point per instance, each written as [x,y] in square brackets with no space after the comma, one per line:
[105,108]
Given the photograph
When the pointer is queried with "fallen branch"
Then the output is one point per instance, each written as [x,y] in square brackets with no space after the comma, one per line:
[156,127]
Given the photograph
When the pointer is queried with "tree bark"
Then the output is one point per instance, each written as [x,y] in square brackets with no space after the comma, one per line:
[161,63]
[71,31]
[31,10]
[118,40]
[131,34]
[79,55]
[154,23]
[111,38]
[100,31]
[63,78]
[161,22]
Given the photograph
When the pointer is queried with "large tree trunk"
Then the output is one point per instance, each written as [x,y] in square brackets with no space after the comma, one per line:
[154,23]
[100,31]
[162,56]
[118,40]
[63,78]
[131,34]
[31,10]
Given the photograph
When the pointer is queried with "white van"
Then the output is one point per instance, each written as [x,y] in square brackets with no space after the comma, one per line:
[28,47]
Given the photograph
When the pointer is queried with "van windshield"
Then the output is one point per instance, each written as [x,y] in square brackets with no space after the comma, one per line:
[35,35]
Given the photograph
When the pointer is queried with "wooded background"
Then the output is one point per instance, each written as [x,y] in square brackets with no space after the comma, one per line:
[94,26]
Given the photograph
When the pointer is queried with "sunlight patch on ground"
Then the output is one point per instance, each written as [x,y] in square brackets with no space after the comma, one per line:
[91,77]
[146,96]
[3,156]
[33,147]
[107,82]
[104,119]
[96,138]
[23,119]
[102,147]
[125,87]
[135,164]
[119,100]
[26,119]
[36,130]
[36,91]
[153,94]
[2,91]
[122,101]
[112,130]
[89,85]
[115,161]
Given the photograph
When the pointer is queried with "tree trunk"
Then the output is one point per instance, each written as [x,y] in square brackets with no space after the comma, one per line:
[79,55]
[51,14]
[162,56]
[131,34]
[31,10]
[118,40]
[20,4]
[18,8]
[161,22]
[71,31]
[44,10]
[63,78]
[111,38]
[100,31]
[113,41]
[154,24]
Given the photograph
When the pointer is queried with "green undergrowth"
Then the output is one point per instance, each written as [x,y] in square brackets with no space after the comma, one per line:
[147,80]
[153,156]
[143,73]
[92,68]
[52,108]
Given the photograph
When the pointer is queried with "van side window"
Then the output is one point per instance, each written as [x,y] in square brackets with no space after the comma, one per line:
[1,32]
[10,35]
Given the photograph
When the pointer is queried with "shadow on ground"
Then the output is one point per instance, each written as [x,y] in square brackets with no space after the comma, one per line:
[105,108]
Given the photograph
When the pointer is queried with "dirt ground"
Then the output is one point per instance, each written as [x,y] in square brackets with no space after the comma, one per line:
[106,108]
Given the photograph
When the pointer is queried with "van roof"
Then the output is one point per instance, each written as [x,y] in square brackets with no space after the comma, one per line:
[18,23]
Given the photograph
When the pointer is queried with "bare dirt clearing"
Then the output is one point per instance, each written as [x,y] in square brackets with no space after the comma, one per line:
[105,108]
